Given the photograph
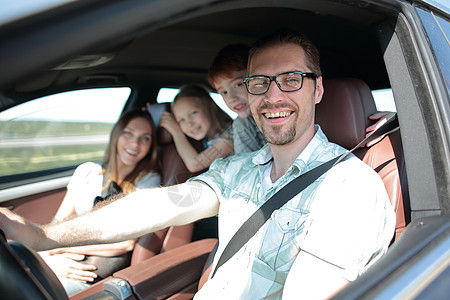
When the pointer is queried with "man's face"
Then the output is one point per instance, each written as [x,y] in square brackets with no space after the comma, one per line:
[284,117]
[234,93]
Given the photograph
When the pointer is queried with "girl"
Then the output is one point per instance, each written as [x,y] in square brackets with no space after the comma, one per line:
[130,163]
[196,115]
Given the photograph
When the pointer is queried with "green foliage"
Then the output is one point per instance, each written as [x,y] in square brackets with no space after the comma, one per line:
[28,146]
[17,129]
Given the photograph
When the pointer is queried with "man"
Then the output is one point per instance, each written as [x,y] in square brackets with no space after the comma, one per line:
[333,230]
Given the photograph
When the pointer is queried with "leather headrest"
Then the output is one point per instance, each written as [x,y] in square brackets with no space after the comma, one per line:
[344,111]
[156,111]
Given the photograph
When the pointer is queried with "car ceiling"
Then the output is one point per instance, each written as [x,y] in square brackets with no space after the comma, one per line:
[181,50]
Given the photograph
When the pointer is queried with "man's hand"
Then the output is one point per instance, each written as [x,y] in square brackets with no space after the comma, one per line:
[18,229]
[68,265]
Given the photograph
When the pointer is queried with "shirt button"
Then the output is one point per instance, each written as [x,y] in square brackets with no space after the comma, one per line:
[258,185]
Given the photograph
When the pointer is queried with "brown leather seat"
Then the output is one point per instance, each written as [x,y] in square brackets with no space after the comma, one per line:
[343,115]
[173,171]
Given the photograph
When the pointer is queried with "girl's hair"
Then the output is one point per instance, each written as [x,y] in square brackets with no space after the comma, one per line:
[287,36]
[232,58]
[146,165]
[219,119]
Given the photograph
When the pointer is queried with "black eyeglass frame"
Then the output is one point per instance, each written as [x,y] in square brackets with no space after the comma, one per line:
[274,78]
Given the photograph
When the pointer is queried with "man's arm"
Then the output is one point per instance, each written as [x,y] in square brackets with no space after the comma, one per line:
[313,278]
[132,216]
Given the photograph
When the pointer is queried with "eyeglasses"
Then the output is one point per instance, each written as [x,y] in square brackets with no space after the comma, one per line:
[286,82]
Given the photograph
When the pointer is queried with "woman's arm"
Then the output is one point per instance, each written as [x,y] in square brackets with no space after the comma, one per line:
[69,265]
[194,160]
[82,187]
[67,207]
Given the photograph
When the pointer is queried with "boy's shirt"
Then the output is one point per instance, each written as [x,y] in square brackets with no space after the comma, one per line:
[246,135]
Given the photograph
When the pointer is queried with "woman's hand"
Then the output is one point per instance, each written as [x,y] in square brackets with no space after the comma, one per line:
[68,265]
[382,117]
[168,122]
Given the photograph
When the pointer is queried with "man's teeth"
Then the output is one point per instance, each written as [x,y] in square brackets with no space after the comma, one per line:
[277,114]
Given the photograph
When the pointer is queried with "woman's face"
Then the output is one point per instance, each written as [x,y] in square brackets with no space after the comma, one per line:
[193,118]
[134,142]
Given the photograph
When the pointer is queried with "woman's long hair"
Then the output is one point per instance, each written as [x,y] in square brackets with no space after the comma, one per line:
[220,121]
[148,164]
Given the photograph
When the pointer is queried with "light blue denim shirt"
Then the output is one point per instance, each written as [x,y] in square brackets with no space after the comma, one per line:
[260,268]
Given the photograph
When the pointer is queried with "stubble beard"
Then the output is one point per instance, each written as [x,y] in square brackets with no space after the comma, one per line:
[276,136]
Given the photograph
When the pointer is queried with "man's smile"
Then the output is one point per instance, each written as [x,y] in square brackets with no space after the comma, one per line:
[278,114]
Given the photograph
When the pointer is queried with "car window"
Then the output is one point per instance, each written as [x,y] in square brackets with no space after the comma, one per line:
[59,130]
[384,100]
[438,31]
[168,94]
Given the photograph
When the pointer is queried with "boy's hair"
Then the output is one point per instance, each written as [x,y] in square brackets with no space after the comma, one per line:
[219,119]
[232,58]
[287,36]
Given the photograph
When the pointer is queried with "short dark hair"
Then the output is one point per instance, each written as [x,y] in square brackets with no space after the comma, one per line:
[288,36]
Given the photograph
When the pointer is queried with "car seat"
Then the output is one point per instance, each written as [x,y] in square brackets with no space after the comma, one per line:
[173,171]
[343,115]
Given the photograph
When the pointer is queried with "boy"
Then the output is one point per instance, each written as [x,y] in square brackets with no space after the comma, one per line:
[225,74]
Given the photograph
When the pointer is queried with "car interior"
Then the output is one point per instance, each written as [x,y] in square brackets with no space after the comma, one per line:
[156,44]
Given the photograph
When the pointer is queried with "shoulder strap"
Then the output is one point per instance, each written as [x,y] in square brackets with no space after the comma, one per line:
[259,217]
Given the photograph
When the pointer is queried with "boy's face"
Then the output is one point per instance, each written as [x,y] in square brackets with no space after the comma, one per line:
[234,93]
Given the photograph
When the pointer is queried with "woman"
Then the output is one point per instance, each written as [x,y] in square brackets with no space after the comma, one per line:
[130,164]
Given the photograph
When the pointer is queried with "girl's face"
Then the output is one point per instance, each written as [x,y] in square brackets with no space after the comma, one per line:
[193,118]
[134,142]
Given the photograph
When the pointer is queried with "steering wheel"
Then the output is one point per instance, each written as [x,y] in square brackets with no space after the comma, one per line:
[25,275]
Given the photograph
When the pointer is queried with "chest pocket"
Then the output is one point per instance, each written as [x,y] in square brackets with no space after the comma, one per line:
[289,220]
[280,243]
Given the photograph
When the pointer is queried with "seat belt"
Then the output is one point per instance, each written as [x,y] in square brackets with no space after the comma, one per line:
[285,194]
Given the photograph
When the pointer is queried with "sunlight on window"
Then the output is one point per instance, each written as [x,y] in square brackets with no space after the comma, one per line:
[93,105]
[168,94]
[384,100]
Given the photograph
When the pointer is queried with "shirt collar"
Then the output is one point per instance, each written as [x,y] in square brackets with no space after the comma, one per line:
[312,150]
